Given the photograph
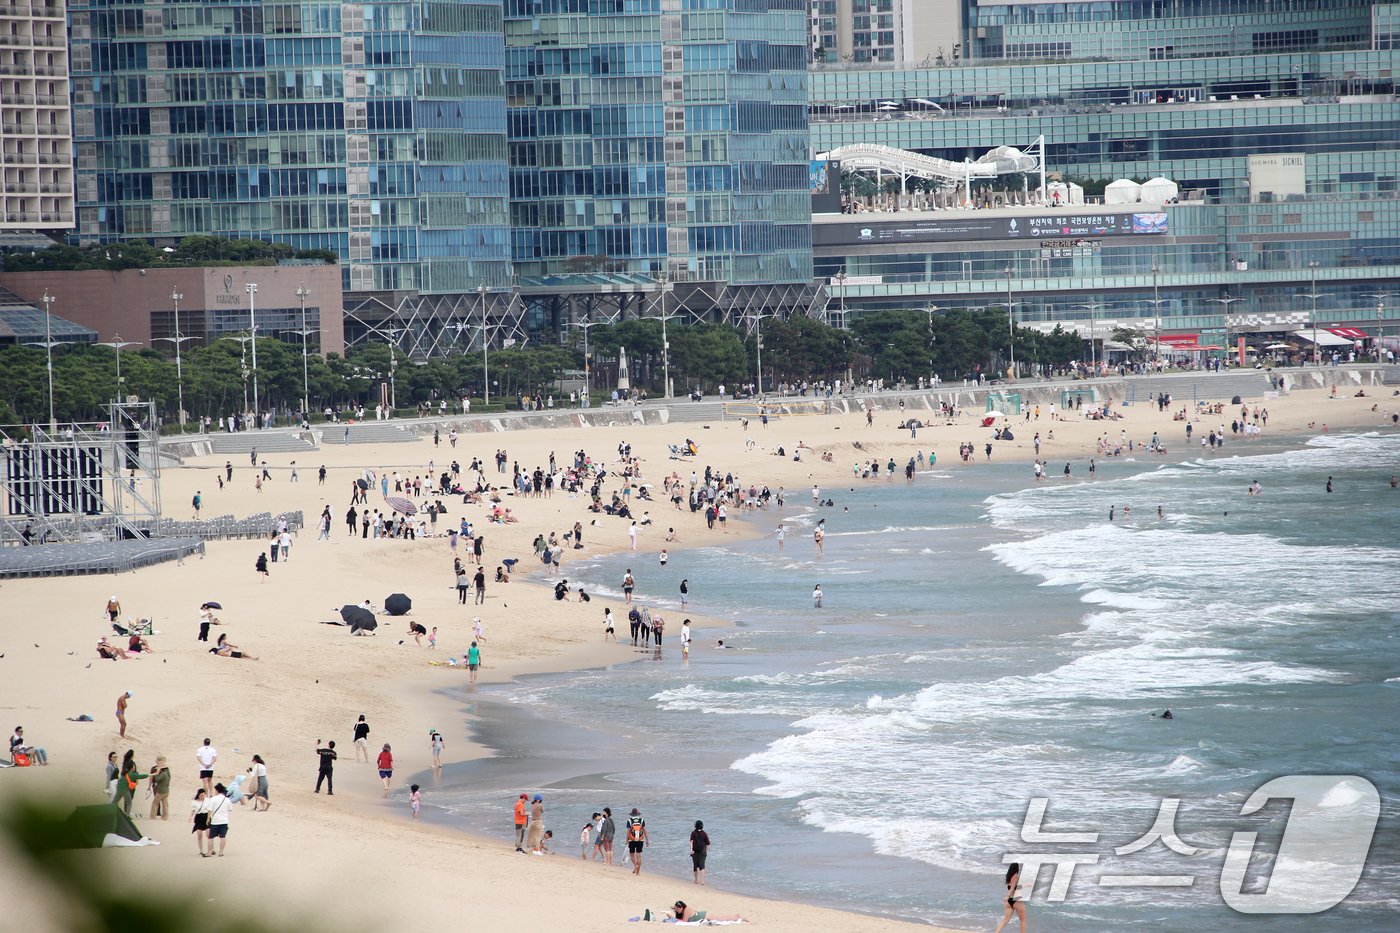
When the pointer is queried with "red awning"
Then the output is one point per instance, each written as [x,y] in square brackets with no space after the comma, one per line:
[1180,341]
[1351,333]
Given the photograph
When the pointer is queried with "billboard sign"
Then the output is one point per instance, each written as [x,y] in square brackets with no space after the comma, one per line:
[962,226]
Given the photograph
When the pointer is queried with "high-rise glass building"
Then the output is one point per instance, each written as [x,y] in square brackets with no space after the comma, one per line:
[669,137]
[373,130]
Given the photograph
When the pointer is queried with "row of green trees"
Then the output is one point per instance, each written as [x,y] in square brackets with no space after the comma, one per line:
[137,254]
[890,345]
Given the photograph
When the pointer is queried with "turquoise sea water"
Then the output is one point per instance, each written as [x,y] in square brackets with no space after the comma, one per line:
[984,641]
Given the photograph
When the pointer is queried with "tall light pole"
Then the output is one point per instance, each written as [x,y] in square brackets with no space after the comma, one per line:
[931,340]
[485,348]
[243,366]
[1380,308]
[117,346]
[178,339]
[758,345]
[48,349]
[302,292]
[1010,327]
[1312,267]
[666,343]
[587,360]
[1156,303]
[252,289]
[1226,301]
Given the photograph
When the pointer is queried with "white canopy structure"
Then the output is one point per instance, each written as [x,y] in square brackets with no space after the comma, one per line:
[1059,193]
[1122,191]
[1003,160]
[1159,191]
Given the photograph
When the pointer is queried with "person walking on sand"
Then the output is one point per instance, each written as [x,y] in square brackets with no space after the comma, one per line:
[362,739]
[522,822]
[608,627]
[386,766]
[473,662]
[1014,904]
[699,848]
[326,771]
[259,773]
[480,582]
[260,565]
[219,808]
[606,831]
[435,739]
[114,609]
[199,819]
[121,711]
[536,824]
[636,839]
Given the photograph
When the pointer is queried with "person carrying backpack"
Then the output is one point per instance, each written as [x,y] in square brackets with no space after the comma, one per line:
[636,839]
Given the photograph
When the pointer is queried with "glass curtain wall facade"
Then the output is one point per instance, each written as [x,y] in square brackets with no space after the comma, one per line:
[652,136]
[372,130]
[1194,116]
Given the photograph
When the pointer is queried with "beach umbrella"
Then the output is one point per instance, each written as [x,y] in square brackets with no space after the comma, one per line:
[401,504]
[362,483]
[358,617]
[213,605]
[398,604]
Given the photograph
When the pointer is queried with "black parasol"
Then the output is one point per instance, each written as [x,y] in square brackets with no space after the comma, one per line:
[213,605]
[398,604]
[363,484]
[358,617]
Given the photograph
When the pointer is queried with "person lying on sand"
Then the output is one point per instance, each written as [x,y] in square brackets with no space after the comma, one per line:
[227,652]
[685,914]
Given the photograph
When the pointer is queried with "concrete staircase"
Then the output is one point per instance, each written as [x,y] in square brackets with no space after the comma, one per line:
[367,432]
[265,442]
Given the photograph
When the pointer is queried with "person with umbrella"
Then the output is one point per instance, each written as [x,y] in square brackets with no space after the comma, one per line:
[206,619]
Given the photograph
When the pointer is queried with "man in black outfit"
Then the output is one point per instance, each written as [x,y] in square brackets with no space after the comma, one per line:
[327,766]
[351,519]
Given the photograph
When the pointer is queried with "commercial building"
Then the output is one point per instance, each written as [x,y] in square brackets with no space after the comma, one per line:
[139,305]
[376,131]
[1277,121]
[655,139]
[895,32]
[34,126]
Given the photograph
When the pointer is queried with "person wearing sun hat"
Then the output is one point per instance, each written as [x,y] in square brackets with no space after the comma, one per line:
[536,824]
[160,789]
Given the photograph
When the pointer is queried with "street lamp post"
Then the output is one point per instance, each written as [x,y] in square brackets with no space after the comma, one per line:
[243,366]
[178,340]
[1312,266]
[1226,301]
[117,346]
[1156,303]
[666,343]
[758,345]
[1010,327]
[931,340]
[303,292]
[840,278]
[485,348]
[252,290]
[48,349]
[587,360]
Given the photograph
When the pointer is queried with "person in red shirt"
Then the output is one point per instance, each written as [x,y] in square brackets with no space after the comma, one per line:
[522,820]
[386,766]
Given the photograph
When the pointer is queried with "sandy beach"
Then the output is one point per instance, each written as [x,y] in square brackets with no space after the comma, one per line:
[349,861]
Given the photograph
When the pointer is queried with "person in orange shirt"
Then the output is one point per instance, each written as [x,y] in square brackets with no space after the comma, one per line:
[522,819]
